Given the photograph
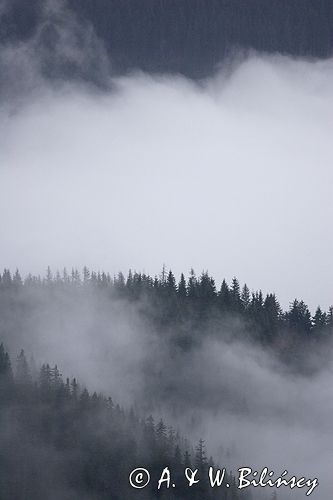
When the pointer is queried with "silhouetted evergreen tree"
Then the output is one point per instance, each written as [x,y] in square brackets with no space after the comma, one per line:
[5,364]
[225,297]
[245,297]
[182,291]
[319,321]
[23,374]
[299,317]
[190,310]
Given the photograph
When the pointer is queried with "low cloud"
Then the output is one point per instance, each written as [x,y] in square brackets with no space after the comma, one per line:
[233,174]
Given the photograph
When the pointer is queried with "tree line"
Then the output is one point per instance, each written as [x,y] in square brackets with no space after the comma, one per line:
[195,298]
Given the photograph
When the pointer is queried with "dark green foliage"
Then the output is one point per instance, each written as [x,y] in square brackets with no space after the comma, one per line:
[5,364]
[182,291]
[320,321]
[245,297]
[225,297]
[192,286]
[62,442]
[236,302]
[299,317]
[189,308]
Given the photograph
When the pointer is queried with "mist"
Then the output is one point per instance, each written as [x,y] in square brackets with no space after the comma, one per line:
[250,409]
[233,174]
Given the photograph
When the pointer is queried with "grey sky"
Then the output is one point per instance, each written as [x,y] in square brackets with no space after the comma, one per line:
[234,177]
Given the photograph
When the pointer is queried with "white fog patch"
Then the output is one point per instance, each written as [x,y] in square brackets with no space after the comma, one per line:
[248,409]
[234,175]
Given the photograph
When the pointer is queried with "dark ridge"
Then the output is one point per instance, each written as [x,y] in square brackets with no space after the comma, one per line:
[191,37]
[187,309]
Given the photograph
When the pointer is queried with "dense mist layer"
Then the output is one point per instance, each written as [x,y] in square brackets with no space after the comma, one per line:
[162,170]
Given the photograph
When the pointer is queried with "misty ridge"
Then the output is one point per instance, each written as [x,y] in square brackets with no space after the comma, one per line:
[57,440]
[224,364]
[192,132]
[189,37]
[227,165]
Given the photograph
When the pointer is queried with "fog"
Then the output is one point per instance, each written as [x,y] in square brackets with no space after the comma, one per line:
[233,174]
[250,409]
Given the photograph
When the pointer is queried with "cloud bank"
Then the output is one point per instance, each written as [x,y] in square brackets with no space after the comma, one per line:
[233,175]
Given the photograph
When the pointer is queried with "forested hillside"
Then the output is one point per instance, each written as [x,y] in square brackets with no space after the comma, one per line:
[136,132]
[190,309]
[57,441]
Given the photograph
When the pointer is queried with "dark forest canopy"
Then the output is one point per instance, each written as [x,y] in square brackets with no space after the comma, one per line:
[192,305]
[184,36]
[59,441]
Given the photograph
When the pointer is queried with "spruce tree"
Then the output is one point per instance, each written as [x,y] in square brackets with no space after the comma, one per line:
[23,375]
[182,292]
